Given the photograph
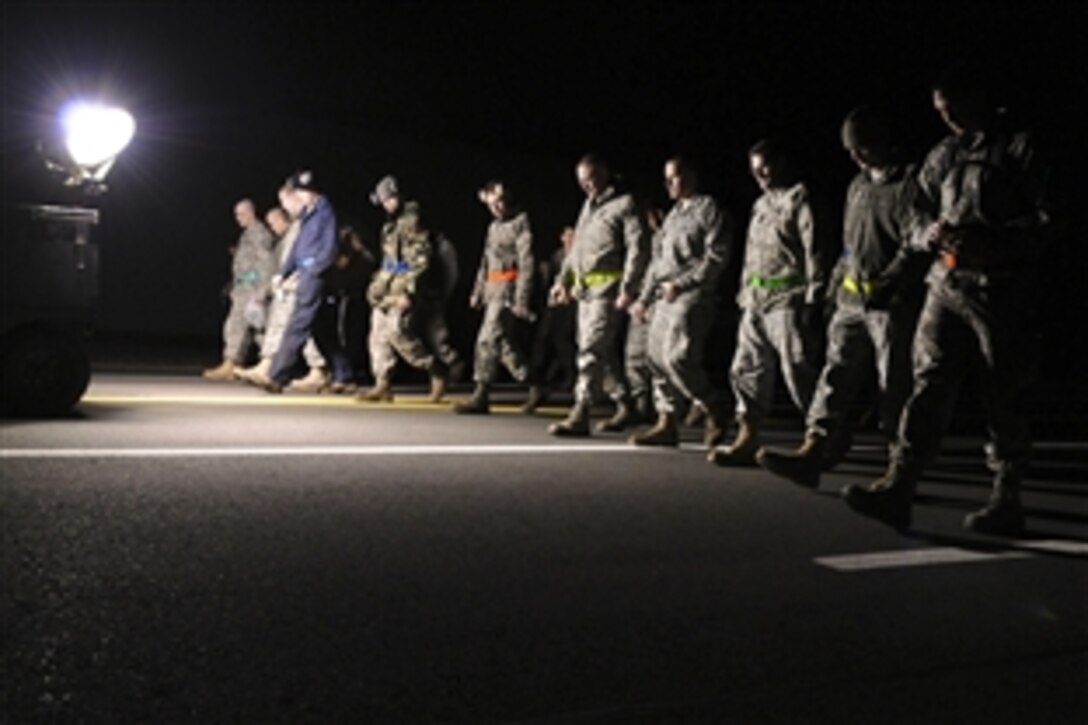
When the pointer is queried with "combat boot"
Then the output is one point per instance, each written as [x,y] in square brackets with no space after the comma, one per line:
[695,417]
[664,433]
[225,371]
[575,425]
[1003,514]
[889,499]
[315,381]
[380,393]
[624,417]
[536,397]
[713,430]
[801,466]
[478,404]
[742,451]
[260,370]
[438,387]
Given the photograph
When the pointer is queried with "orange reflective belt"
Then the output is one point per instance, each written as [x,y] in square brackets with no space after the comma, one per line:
[502,275]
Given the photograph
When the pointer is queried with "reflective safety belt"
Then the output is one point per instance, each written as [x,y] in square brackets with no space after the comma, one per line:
[858,286]
[396,266]
[502,275]
[783,282]
[248,277]
[596,279]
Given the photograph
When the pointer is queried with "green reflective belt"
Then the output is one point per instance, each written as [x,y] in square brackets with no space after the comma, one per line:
[596,279]
[789,280]
[858,286]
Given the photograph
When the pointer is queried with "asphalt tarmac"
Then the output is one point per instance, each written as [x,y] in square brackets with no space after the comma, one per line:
[186,551]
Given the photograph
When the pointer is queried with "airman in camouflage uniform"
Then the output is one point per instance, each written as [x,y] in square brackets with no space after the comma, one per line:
[503,287]
[395,295]
[878,286]
[252,267]
[986,216]
[678,295]
[782,287]
[604,273]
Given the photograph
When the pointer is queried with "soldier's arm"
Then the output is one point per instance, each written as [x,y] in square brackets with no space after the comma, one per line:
[651,279]
[526,262]
[815,247]
[477,296]
[715,252]
[637,251]
[419,257]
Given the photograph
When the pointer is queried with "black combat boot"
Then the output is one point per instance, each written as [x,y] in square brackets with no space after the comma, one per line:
[478,404]
[889,499]
[801,466]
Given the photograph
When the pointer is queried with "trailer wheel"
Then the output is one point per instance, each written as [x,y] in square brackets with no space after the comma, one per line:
[45,373]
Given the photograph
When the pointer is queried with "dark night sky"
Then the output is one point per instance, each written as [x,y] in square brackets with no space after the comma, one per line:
[229,98]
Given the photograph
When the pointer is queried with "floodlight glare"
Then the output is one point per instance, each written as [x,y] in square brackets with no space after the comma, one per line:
[95,134]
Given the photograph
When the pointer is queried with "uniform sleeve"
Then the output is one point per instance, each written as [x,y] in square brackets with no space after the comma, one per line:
[524,245]
[715,252]
[266,260]
[481,275]
[637,251]
[815,249]
[926,197]
[420,255]
[653,269]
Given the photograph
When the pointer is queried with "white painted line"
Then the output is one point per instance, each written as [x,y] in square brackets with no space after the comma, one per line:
[913,557]
[265,451]
[1055,546]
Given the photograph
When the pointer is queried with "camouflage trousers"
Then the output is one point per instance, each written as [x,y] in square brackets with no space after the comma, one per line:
[958,335]
[857,341]
[636,361]
[279,312]
[393,333]
[497,342]
[769,341]
[677,339]
[237,333]
[599,323]
[434,331]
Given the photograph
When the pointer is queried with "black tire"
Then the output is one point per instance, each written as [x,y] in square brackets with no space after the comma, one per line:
[44,373]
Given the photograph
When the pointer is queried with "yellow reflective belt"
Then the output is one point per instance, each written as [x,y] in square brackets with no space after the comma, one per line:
[789,280]
[595,279]
[857,286]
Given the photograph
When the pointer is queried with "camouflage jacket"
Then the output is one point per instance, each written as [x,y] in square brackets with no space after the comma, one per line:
[690,249]
[784,254]
[507,266]
[610,250]
[254,262]
[407,257]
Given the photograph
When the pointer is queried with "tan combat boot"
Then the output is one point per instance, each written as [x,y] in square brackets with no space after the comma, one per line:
[536,397]
[438,388]
[314,381]
[576,424]
[664,433]
[382,392]
[225,371]
[742,451]
[801,466]
[623,418]
[889,499]
[257,372]
[713,429]
[478,404]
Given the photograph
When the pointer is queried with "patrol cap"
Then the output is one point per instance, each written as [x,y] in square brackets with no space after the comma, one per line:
[385,189]
[302,180]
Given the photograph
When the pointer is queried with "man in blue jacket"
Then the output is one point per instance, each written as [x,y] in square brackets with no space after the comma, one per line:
[314,251]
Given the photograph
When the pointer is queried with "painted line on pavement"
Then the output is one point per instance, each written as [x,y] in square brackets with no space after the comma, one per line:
[266,451]
[913,557]
[337,401]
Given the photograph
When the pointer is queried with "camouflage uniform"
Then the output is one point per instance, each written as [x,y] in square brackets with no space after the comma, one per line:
[504,280]
[609,255]
[784,271]
[976,312]
[877,288]
[253,267]
[690,250]
[283,302]
[433,328]
[406,261]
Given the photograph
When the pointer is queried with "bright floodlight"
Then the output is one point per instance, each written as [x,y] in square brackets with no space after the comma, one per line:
[95,134]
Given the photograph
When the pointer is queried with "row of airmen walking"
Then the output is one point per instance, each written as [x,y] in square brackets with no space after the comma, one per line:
[932,280]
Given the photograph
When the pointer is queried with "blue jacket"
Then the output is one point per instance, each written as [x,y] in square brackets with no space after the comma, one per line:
[315,247]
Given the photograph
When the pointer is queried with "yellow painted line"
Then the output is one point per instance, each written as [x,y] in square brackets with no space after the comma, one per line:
[286,400]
